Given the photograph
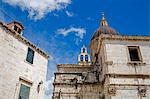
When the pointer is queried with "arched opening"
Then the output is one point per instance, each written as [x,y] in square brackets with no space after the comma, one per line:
[83,50]
[86,57]
[81,58]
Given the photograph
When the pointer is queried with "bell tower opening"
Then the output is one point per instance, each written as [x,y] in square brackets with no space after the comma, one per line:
[84,57]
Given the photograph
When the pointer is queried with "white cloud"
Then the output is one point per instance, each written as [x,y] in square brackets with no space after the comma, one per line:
[49,88]
[90,19]
[79,32]
[77,41]
[37,9]
[69,14]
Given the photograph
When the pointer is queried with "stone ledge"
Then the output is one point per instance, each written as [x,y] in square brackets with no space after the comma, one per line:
[136,63]
[74,65]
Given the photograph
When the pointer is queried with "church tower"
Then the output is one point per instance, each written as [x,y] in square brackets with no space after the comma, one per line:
[119,68]
[104,29]
[84,57]
[120,63]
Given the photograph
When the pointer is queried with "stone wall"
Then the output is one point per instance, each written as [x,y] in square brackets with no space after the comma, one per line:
[124,78]
[13,66]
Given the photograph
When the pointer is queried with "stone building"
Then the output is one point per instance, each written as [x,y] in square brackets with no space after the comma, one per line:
[120,68]
[68,78]
[23,65]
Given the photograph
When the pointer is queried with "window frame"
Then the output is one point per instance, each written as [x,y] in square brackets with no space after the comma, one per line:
[33,55]
[25,82]
[138,51]
[25,86]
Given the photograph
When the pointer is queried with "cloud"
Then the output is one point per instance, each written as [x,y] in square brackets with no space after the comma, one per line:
[79,32]
[37,9]
[49,88]
[69,14]
[90,19]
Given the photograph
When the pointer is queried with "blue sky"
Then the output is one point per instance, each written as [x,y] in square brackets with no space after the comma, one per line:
[61,27]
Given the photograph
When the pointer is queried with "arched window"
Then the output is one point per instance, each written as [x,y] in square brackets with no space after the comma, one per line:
[81,58]
[86,57]
[83,50]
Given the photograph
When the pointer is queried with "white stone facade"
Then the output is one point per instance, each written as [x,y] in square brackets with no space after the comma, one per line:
[121,77]
[120,69]
[15,70]
[112,74]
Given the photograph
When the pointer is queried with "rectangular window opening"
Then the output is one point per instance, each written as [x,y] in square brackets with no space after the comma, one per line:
[19,31]
[15,27]
[24,92]
[30,56]
[134,53]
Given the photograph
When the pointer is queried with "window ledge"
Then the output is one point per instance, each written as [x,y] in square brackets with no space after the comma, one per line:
[136,63]
[28,62]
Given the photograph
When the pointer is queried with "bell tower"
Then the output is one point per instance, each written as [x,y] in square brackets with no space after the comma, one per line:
[84,57]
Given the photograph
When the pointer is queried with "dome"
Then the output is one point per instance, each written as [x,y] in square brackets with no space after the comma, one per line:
[105,30]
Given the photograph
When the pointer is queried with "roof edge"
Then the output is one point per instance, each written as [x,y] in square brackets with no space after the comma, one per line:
[24,40]
[123,37]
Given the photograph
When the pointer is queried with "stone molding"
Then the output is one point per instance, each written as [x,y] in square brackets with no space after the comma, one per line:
[123,37]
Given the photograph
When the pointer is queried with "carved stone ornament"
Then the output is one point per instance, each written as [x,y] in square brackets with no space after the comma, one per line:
[142,92]
[112,90]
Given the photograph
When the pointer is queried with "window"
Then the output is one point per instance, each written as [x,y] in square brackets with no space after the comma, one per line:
[24,92]
[81,57]
[15,27]
[86,57]
[134,53]
[19,30]
[30,56]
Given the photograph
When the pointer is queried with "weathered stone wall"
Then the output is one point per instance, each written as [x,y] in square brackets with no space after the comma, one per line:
[118,57]
[66,91]
[73,68]
[68,80]
[13,66]
[123,78]
[91,91]
[119,78]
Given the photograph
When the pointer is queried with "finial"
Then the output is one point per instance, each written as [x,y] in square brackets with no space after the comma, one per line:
[103,15]
[103,21]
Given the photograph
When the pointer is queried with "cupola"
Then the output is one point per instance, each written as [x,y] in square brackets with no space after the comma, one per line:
[84,57]
[16,26]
